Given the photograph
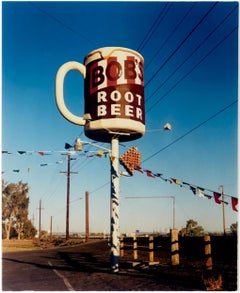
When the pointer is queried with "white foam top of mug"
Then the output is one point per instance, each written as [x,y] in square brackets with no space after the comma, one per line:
[104,53]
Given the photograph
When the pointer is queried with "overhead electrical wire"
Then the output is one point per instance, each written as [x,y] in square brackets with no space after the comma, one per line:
[193,52]
[192,69]
[181,44]
[190,131]
[59,21]
[154,26]
[174,30]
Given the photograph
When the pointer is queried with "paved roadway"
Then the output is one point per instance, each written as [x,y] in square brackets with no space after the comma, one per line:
[82,268]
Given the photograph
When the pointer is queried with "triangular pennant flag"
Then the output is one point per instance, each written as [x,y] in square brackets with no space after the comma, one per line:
[207,196]
[138,168]
[41,153]
[157,174]
[199,192]
[99,154]
[193,189]
[67,146]
[149,173]
[164,179]
[216,197]
[234,204]
[21,152]
[176,181]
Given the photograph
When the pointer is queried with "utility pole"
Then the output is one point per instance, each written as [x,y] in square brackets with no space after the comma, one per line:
[40,219]
[33,220]
[51,228]
[223,210]
[87,215]
[68,172]
[173,198]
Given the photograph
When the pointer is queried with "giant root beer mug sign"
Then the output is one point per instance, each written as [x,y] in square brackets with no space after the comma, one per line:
[113,94]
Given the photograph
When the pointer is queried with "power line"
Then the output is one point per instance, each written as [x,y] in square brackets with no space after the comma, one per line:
[100,187]
[190,131]
[192,69]
[59,21]
[171,34]
[194,51]
[180,45]
[154,26]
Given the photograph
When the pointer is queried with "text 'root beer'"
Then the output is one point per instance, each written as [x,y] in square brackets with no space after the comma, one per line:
[115,85]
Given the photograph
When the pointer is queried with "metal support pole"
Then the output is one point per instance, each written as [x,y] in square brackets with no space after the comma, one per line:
[114,208]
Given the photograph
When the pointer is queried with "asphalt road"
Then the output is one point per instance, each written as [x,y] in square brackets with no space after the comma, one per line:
[82,268]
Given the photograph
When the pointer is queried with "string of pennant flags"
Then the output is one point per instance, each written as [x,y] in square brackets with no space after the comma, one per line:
[88,154]
[98,153]
[196,190]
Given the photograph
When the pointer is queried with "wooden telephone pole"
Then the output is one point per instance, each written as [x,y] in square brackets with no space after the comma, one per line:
[223,210]
[40,219]
[68,172]
[87,215]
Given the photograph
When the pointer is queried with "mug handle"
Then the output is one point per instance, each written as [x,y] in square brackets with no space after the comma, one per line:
[59,83]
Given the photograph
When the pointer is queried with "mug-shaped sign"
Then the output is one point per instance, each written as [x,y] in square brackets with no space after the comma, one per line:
[113,94]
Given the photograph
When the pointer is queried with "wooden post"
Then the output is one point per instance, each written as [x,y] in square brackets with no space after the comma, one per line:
[51,228]
[122,247]
[86,216]
[174,247]
[151,249]
[208,255]
[135,253]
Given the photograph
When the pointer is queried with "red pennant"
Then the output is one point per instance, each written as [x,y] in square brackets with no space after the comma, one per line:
[216,197]
[41,153]
[138,168]
[149,173]
[234,204]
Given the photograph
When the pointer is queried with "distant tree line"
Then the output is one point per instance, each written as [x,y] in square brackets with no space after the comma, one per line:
[15,203]
[192,229]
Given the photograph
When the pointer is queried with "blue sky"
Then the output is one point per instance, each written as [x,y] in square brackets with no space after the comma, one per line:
[191,74]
